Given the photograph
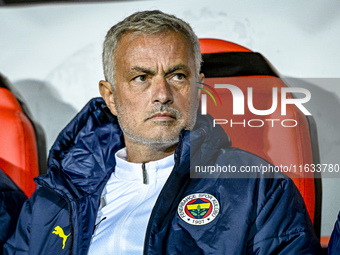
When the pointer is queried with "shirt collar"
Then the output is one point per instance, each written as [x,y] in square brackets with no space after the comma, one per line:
[133,171]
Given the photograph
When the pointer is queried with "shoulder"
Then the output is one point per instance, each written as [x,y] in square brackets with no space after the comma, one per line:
[334,243]
[11,201]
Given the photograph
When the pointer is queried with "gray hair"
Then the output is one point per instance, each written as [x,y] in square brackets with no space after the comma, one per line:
[146,22]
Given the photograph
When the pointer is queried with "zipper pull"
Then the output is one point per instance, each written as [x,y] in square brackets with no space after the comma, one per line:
[145,177]
[102,202]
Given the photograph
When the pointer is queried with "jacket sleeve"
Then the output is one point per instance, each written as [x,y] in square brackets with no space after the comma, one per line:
[11,202]
[12,199]
[19,241]
[283,225]
[334,242]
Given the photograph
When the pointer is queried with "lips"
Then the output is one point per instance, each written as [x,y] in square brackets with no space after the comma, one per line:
[163,116]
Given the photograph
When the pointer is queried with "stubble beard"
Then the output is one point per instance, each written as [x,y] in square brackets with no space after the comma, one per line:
[159,143]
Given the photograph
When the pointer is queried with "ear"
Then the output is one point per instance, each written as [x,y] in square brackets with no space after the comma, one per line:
[106,92]
[201,77]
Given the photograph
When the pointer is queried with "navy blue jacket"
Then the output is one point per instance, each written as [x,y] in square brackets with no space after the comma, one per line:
[11,200]
[257,215]
[334,242]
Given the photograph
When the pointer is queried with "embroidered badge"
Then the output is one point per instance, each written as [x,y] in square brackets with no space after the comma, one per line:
[198,208]
[60,232]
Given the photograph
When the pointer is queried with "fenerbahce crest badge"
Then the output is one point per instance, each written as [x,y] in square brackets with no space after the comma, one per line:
[198,209]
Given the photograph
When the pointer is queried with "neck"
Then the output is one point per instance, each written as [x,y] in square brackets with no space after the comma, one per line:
[142,153]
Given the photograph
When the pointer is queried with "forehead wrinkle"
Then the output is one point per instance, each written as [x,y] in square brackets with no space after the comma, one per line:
[139,69]
[138,59]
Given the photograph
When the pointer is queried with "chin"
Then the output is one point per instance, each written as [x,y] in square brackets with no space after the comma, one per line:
[160,141]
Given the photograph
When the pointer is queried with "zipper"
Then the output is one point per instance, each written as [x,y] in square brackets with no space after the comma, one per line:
[145,177]
[121,223]
[158,201]
[160,196]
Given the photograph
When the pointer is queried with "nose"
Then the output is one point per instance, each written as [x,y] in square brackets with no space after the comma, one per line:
[161,91]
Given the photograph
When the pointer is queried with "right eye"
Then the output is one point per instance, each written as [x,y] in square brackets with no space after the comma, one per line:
[140,78]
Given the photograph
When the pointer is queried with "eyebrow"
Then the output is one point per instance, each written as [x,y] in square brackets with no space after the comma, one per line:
[141,70]
[177,67]
[170,70]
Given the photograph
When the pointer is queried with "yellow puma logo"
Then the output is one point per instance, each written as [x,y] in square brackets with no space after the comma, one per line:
[60,232]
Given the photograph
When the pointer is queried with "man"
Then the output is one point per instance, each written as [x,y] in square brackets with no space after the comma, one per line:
[119,173]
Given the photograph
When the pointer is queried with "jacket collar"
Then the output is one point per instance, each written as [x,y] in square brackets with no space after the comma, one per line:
[83,154]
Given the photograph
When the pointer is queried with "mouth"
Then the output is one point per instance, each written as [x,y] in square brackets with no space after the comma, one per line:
[162,116]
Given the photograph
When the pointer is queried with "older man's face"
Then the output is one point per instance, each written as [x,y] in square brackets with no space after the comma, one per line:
[155,93]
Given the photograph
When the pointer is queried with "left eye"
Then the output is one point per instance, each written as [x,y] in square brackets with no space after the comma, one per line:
[179,77]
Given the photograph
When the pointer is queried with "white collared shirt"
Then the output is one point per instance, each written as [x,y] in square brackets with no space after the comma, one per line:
[126,205]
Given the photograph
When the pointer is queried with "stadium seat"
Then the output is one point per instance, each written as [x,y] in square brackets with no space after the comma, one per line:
[22,142]
[287,140]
